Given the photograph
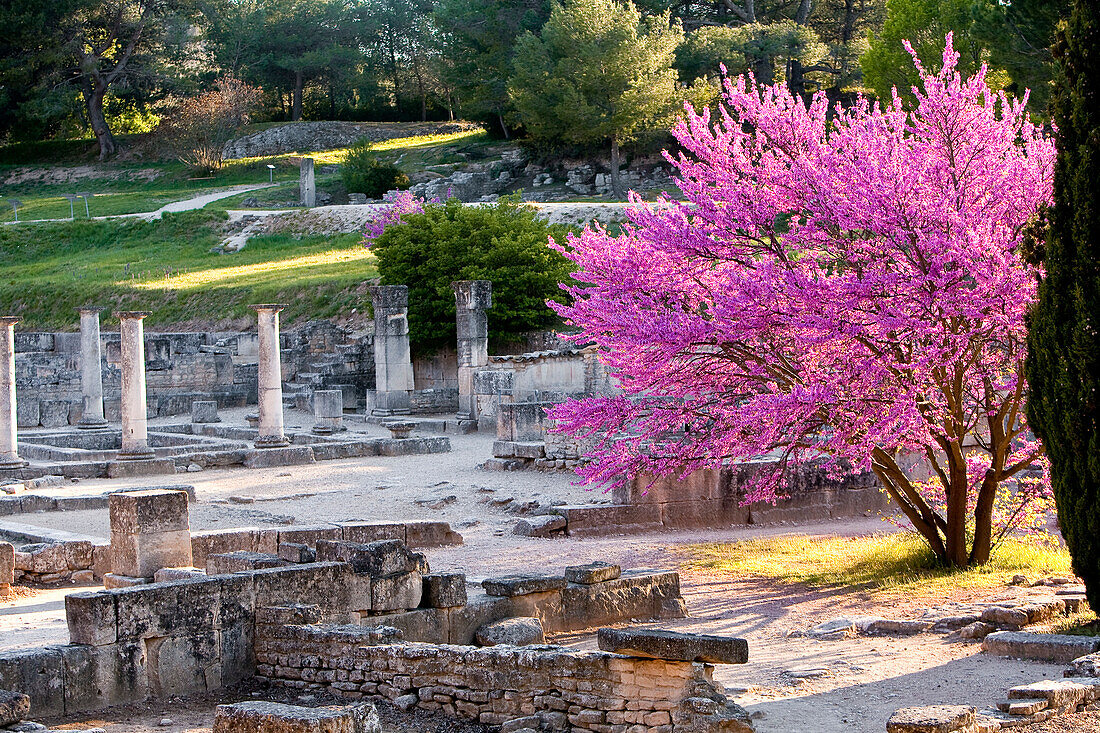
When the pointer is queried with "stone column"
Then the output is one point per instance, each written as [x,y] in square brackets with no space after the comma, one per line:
[472,299]
[307,186]
[328,408]
[9,453]
[135,431]
[393,375]
[91,370]
[270,378]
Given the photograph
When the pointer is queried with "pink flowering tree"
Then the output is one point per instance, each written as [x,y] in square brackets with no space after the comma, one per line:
[842,286]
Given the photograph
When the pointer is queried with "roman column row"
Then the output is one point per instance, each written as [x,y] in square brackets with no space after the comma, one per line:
[393,368]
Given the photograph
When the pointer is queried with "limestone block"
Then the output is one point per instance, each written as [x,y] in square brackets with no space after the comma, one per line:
[658,644]
[519,631]
[1042,647]
[592,573]
[329,585]
[428,625]
[295,552]
[240,561]
[7,563]
[148,512]
[544,525]
[98,676]
[291,455]
[92,618]
[1085,666]
[112,581]
[376,559]
[38,674]
[204,411]
[585,520]
[272,717]
[519,585]
[141,555]
[931,719]
[53,413]
[371,531]
[167,575]
[162,609]
[397,592]
[309,534]
[28,412]
[635,594]
[444,590]
[14,707]
[210,542]
[427,533]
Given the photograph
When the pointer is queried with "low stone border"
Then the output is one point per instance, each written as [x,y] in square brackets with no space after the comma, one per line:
[1040,647]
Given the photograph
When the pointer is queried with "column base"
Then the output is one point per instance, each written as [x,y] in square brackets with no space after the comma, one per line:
[467,425]
[137,454]
[272,441]
[389,413]
[92,423]
[12,464]
[323,430]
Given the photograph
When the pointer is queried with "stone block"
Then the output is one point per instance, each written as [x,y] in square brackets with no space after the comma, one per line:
[98,676]
[519,585]
[7,563]
[520,631]
[588,520]
[327,584]
[204,411]
[1040,647]
[543,525]
[309,534]
[1085,666]
[167,575]
[365,532]
[676,646]
[291,455]
[427,625]
[14,707]
[210,542]
[376,559]
[113,581]
[397,592]
[92,618]
[241,561]
[36,673]
[428,533]
[298,553]
[164,609]
[479,610]
[53,413]
[28,412]
[137,469]
[148,512]
[530,450]
[635,594]
[444,590]
[273,717]
[141,555]
[592,573]
[932,719]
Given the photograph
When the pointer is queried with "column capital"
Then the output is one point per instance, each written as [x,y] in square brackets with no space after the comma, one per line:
[9,320]
[393,297]
[268,307]
[94,309]
[131,315]
[473,294]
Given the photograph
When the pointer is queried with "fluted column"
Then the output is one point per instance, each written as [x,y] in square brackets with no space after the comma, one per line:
[473,298]
[270,378]
[9,453]
[91,370]
[135,427]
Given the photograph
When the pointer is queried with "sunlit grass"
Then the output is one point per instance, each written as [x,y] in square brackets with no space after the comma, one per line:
[289,270]
[1083,623]
[898,562]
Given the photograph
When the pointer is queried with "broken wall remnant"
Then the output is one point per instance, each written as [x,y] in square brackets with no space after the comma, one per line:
[473,299]
[392,357]
[150,530]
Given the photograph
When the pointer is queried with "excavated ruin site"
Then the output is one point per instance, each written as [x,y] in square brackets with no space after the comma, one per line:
[307,530]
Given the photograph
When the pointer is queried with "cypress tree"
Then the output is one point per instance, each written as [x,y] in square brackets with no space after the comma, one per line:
[1063,366]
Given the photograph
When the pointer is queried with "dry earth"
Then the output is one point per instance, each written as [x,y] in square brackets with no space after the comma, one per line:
[791,683]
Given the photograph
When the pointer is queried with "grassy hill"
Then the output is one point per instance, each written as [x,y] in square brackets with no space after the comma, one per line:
[167,267]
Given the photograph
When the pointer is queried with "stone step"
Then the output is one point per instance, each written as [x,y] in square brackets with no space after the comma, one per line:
[1022,707]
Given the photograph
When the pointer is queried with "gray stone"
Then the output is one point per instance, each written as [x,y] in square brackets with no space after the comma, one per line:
[14,707]
[272,717]
[520,585]
[931,719]
[92,618]
[519,631]
[900,627]
[976,630]
[296,552]
[204,411]
[376,559]
[405,703]
[657,644]
[1040,647]
[545,525]
[592,573]
[7,563]
[444,590]
[1086,666]
[240,561]
[167,575]
[397,592]
[429,533]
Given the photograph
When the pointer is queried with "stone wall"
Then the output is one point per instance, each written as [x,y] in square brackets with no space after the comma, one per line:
[540,687]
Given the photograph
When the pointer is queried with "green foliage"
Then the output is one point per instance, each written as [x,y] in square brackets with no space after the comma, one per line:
[1063,366]
[759,48]
[502,242]
[599,73]
[363,172]
[481,36]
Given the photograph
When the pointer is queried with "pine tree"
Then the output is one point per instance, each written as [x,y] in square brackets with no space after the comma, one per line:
[1063,346]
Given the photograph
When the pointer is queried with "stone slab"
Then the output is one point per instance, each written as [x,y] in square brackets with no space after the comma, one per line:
[932,719]
[444,590]
[428,533]
[132,469]
[592,573]
[273,717]
[672,645]
[509,586]
[291,455]
[14,707]
[147,512]
[1040,647]
[545,525]
[520,631]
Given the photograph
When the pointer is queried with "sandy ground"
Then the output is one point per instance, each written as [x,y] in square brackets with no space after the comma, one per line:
[791,683]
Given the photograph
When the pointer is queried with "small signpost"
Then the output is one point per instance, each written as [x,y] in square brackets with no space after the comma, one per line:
[70,197]
[270,173]
[85,195]
[15,204]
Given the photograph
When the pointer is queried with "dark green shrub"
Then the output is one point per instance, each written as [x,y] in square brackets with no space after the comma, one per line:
[1063,362]
[363,172]
[501,242]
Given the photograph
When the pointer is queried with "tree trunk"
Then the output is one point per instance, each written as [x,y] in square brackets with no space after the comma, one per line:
[296,104]
[796,79]
[955,535]
[504,127]
[93,101]
[616,184]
